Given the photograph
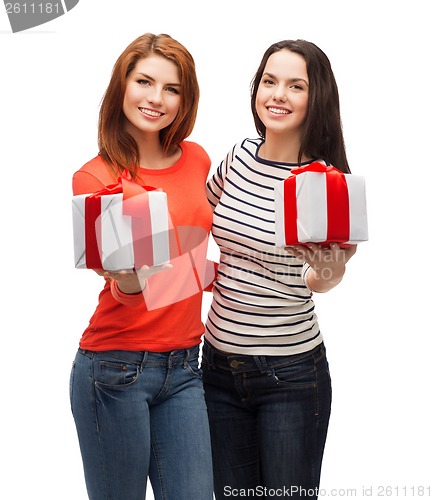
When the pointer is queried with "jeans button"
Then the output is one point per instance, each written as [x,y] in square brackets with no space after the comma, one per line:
[235,364]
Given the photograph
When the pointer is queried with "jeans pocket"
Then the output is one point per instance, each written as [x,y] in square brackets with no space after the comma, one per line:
[193,367]
[300,375]
[116,373]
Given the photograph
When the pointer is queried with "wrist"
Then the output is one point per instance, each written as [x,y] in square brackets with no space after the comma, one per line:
[129,288]
[324,279]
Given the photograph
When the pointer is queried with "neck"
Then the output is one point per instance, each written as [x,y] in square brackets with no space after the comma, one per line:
[280,148]
[157,160]
[151,152]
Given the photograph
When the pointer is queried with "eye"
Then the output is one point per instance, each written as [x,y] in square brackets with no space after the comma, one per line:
[143,82]
[172,90]
[299,86]
[267,81]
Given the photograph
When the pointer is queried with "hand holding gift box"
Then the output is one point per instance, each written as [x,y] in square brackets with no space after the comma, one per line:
[123,226]
[320,204]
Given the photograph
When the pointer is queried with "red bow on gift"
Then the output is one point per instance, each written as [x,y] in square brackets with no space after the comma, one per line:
[135,203]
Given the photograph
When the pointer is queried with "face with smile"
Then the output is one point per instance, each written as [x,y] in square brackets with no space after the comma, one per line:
[152,96]
[282,97]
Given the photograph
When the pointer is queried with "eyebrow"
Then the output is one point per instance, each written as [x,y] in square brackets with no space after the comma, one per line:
[153,79]
[291,80]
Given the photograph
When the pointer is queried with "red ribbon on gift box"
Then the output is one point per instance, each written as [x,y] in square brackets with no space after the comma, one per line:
[135,203]
[338,212]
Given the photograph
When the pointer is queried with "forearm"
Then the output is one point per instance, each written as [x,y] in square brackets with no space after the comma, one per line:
[132,286]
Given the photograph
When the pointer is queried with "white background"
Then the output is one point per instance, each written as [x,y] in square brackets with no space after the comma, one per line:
[377,324]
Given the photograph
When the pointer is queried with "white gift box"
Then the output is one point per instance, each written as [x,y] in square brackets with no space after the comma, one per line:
[312,207]
[114,233]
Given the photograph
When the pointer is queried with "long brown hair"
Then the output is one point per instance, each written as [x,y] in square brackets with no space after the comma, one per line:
[322,136]
[116,146]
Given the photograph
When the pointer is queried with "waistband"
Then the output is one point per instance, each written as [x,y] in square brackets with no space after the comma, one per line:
[247,363]
[142,358]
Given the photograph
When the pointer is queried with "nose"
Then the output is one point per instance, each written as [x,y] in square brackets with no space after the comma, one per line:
[155,95]
[279,94]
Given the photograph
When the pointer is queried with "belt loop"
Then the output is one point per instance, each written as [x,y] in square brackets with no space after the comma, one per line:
[322,351]
[209,351]
[144,359]
[186,357]
[261,363]
[212,352]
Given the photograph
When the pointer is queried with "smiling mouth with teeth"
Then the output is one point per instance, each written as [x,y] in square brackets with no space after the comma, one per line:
[149,112]
[279,111]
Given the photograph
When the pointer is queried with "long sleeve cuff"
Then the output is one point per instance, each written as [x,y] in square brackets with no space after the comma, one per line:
[210,275]
[128,299]
[304,273]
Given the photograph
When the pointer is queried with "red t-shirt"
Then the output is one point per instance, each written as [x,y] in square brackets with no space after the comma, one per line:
[167,315]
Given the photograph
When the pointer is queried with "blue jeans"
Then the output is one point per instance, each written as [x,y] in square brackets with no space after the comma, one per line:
[141,414]
[268,417]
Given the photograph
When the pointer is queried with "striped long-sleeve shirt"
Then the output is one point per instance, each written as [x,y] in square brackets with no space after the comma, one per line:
[261,304]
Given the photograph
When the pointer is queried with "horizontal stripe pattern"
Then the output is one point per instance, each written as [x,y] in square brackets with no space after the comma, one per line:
[261,305]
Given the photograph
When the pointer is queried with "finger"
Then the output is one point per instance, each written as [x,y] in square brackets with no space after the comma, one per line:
[349,252]
[295,252]
[291,250]
[159,269]
[122,274]
[166,266]
[315,251]
[334,248]
[145,271]
[146,268]
[305,249]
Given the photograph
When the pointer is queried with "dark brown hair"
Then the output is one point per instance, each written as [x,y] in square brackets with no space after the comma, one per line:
[322,136]
[116,146]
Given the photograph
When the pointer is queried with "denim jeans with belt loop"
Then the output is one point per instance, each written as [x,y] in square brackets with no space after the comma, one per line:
[141,414]
[268,417]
